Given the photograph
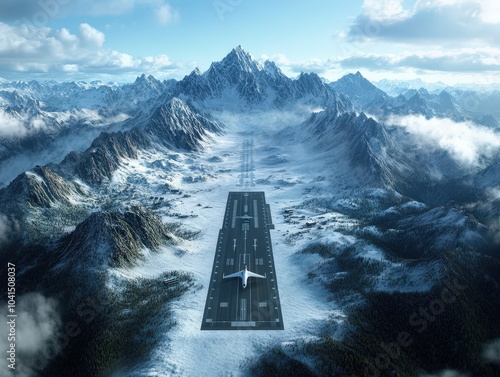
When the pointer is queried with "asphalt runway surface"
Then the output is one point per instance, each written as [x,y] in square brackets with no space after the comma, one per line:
[244,241]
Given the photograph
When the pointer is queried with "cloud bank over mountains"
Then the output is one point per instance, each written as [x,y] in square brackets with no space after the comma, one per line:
[443,35]
[29,49]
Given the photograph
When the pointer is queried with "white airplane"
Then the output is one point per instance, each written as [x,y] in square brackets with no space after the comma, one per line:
[245,217]
[244,275]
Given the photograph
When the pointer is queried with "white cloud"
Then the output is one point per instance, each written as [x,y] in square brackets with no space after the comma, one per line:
[466,142]
[446,373]
[8,228]
[487,11]
[20,125]
[166,14]
[293,68]
[38,323]
[30,49]
[11,126]
[91,37]
[431,22]
[450,60]
[279,59]
[70,68]
[491,352]
[40,12]
[384,9]
[490,11]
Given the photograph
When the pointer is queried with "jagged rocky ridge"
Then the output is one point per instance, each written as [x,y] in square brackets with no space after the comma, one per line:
[52,195]
[39,188]
[174,125]
[113,239]
[39,203]
[446,103]
[365,142]
[385,157]
[239,82]
[392,158]
[363,94]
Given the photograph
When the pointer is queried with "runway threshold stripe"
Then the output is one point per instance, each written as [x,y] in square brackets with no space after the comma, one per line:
[255,214]
[235,208]
[243,324]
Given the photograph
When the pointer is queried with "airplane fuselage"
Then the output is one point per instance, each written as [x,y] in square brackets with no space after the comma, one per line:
[244,275]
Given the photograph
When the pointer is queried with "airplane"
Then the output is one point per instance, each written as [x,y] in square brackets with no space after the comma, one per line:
[244,275]
[245,217]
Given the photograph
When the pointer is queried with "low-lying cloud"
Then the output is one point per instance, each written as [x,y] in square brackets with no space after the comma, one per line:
[82,126]
[491,352]
[446,373]
[8,230]
[466,142]
[11,126]
[20,126]
[38,322]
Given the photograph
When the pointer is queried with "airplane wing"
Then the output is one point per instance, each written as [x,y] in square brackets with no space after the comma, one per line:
[254,275]
[235,275]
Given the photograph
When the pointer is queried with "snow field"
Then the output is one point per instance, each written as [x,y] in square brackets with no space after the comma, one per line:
[186,350]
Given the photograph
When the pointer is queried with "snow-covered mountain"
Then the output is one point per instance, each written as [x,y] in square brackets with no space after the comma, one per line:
[112,239]
[55,97]
[396,87]
[360,91]
[173,125]
[466,101]
[239,82]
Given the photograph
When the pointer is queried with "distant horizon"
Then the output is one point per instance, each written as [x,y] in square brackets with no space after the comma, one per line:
[425,83]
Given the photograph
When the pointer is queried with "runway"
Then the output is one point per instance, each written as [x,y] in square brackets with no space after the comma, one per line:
[244,240]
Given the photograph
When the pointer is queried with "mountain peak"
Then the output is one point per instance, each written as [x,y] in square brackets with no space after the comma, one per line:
[196,72]
[357,78]
[144,78]
[241,53]
[242,60]
[115,238]
[359,89]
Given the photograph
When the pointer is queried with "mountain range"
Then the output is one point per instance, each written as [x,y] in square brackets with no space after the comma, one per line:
[36,114]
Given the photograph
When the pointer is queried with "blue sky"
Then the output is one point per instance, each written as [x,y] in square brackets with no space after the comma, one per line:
[117,40]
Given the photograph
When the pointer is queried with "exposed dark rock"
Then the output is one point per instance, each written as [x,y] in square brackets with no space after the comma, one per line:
[104,155]
[176,124]
[114,239]
[39,187]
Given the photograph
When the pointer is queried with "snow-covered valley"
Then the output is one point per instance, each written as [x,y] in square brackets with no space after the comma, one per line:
[200,207]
